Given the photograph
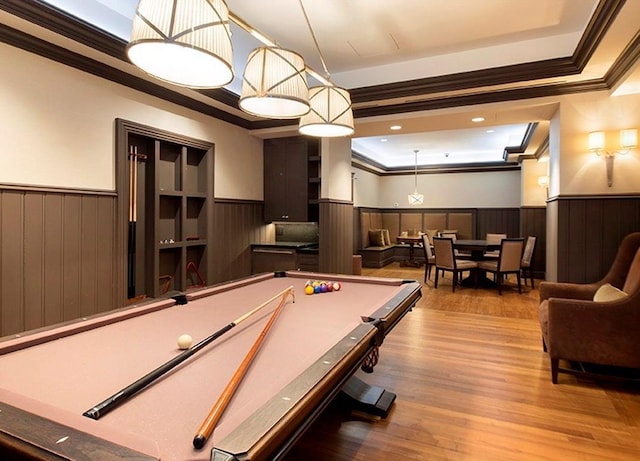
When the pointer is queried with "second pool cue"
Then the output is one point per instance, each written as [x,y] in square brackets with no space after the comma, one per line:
[125,394]
[206,428]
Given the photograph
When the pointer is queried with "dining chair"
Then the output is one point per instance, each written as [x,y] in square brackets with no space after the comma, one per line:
[508,262]
[446,261]
[494,239]
[454,236]
[526,265]
[429,258]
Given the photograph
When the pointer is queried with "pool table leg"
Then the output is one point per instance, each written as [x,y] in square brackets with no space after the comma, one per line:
[370,399]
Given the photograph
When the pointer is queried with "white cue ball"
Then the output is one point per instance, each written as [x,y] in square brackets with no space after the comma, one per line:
[184,341]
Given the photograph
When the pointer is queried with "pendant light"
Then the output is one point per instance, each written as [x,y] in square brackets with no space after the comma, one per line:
[416,198]
[186,43]
[331,114]
[274,84]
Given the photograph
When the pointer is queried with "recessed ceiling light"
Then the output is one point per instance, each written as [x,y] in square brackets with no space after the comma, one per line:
[477,119]
[490,131]
[383,140]
[395,127]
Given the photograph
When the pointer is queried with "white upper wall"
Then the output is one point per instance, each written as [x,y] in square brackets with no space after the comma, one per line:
[58,129]
[581,171]
[492,189]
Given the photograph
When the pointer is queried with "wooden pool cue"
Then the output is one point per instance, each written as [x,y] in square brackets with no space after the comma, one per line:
[206,428]
[126,393]
[131,250]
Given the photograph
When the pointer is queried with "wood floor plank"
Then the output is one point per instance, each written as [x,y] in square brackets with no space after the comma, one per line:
[473,383]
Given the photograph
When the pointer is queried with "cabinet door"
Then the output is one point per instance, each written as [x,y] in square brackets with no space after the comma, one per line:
[297,180]
[275,188]
[285,179]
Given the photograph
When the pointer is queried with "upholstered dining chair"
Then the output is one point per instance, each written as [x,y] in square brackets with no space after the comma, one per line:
[454,236]
[494,239]
[526,265]
[429,257]
[508,262]
[446,261]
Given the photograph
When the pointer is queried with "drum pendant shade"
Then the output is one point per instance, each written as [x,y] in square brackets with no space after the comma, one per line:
[185,42]
[274,84]
[330,114]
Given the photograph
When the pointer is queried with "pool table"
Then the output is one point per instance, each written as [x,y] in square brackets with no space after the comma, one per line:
[50,377]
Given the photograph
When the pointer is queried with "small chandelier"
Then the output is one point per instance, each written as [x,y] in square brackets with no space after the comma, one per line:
[331,114]
[416,198]
[186,43]
[274,84]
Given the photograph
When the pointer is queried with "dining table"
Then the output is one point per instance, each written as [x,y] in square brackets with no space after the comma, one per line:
[412,241]
[476,250]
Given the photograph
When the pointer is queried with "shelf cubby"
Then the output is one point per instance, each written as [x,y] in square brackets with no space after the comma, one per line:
[169,218]
[169,270]
[195,178]
[195,225]
[169,167]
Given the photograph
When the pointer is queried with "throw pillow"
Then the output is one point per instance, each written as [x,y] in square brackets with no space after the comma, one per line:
[387,237]
[376,238]
[430,234]
[608,293]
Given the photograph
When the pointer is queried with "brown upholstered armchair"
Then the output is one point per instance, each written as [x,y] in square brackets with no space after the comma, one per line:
[577,328]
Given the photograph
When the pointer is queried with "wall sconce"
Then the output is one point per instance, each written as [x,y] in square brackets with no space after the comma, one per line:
[628,141]
[543,181]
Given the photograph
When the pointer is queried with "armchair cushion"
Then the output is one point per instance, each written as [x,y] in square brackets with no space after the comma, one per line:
[607,293]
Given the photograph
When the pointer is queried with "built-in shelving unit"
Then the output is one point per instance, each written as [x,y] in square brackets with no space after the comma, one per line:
[173,186]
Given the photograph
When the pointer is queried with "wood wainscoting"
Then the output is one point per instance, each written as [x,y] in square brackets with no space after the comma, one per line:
[590,229]
[57,257]
[336,236]
[236,225]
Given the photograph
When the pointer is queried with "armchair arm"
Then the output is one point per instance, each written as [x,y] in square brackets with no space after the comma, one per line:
[568,290]
[602,333]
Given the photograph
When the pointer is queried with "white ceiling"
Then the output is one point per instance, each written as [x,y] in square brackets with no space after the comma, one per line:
[373,42]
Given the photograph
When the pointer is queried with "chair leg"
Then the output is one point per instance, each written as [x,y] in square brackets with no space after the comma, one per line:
[436,281]
[555,365]
[531,276]
[455,281]
[519,284]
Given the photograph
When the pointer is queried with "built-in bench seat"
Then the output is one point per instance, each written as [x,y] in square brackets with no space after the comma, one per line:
[377,257]
[396,222]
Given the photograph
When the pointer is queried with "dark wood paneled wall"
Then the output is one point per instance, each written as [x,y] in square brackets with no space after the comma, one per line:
[237,224]
[497,221]
[589,232]
[336,237]
[56,257]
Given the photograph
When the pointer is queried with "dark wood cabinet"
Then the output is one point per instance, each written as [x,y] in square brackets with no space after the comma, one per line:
[286,179]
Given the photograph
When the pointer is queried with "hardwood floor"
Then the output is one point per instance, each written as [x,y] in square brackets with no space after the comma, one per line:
[473,383]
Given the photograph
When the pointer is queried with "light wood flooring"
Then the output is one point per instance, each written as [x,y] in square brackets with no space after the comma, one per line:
[473,383]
